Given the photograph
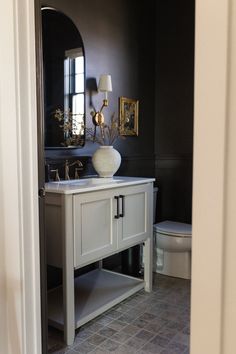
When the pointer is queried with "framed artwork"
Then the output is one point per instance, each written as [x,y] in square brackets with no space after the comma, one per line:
[128,116]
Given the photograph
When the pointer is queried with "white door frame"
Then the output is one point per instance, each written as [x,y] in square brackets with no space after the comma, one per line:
[20,317]
[213,282]
[211,56]
[213,312]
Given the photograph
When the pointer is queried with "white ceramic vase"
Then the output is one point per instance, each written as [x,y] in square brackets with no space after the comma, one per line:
[106,161]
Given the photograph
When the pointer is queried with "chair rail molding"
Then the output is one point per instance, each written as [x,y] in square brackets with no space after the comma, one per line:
[20,320]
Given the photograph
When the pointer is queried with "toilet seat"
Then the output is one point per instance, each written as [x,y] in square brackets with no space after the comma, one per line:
[173,228]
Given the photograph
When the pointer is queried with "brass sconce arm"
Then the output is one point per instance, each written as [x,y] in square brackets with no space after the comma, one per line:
[98,117]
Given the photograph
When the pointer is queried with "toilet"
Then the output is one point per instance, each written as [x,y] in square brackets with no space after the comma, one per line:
[172,243]
[172,249]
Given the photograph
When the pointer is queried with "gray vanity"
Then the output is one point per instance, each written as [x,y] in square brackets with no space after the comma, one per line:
[86,221]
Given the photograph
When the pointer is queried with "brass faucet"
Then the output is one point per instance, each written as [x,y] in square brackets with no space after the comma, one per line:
[77,169]
[67,168]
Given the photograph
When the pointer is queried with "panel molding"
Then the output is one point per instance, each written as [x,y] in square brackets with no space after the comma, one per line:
[138,157]
[187,156]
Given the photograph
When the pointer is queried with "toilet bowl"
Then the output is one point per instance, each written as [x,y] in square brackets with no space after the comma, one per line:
[172,249]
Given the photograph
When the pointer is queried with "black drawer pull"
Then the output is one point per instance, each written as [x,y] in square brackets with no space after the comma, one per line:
[122,197]
[117,216]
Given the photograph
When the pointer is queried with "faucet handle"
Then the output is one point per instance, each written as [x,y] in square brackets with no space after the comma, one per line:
[57,177]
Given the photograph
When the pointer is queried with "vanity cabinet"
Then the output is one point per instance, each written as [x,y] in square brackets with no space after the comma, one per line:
[134,224]
[85,225]
[95,227]
[108,221]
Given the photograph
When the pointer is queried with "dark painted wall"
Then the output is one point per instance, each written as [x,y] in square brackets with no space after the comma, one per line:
[148,48]
[174,108]
[119,39]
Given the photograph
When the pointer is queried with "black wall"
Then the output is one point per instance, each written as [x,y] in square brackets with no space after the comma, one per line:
[116,42]
[148,48]
[174,108]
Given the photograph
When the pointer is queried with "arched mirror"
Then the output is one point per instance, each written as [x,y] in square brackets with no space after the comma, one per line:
[64,81]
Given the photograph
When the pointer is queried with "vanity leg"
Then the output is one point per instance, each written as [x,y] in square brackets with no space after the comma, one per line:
[147,255]
[68,276]
[68,308]
[148,244]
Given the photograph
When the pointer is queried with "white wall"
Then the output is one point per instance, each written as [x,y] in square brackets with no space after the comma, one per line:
[20,330]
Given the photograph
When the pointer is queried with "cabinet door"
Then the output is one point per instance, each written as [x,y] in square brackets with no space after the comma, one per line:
[95,228]
[134,223]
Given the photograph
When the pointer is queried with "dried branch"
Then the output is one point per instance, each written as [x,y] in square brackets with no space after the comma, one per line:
[69,124]
[108,133]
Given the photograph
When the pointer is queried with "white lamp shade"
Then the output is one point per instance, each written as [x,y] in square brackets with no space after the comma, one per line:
[105,84]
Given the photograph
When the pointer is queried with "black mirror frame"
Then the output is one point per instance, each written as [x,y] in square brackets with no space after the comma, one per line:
[77,146]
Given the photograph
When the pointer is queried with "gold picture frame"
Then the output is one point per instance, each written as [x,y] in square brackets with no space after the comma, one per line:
[128,116]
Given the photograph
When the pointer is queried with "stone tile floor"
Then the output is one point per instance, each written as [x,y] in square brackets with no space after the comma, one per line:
[156,322]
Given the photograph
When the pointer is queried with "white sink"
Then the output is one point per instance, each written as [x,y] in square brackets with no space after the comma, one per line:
[103,180]
[72,181]
[89,181]
[74,186]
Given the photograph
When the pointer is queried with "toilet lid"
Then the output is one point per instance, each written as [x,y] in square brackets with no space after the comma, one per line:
[173,228]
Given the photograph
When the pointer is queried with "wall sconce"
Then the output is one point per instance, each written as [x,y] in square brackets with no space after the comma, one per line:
[105,86]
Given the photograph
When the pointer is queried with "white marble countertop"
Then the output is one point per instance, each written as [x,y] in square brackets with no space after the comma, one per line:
[75,186]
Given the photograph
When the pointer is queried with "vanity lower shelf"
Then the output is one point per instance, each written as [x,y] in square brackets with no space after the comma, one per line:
[95,292]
